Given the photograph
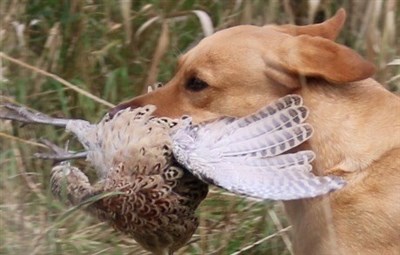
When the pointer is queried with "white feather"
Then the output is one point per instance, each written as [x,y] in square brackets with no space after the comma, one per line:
[244,155]
[269,183]
[280,161]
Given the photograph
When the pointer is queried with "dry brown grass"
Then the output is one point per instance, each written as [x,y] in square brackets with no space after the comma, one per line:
[76,58]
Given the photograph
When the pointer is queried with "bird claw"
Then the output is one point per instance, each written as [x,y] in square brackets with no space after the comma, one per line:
[59,154]
[14,112]
[22,114]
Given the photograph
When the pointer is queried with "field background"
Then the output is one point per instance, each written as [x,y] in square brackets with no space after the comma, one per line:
[62,57]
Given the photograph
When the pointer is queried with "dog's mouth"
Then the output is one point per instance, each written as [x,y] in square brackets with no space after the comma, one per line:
[122,106]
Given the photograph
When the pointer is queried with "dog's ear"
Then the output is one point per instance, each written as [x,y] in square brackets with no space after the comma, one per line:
[314,56]
[329,29]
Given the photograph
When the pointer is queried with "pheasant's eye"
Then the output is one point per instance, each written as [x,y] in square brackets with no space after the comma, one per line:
[194,84]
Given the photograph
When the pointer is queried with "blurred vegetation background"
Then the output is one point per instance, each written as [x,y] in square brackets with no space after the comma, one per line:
[63,57]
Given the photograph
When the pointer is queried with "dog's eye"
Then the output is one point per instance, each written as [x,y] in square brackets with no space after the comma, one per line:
[195,84]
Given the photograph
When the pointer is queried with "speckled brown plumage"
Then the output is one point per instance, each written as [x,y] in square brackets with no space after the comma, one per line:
[156,198]
[142,191]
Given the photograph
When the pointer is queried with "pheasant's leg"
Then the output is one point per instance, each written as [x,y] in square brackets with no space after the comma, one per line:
[62,156]
[22,114]
[59,154]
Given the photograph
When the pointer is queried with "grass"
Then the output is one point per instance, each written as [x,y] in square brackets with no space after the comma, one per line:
[67,56]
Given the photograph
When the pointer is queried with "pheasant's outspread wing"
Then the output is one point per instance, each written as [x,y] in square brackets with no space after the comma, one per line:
[245,155]
[152,198]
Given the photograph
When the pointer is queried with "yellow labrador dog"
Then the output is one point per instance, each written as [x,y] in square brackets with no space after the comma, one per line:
[356,121]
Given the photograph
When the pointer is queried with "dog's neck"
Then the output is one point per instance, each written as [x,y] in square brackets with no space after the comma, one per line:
[350,129]
[353,128]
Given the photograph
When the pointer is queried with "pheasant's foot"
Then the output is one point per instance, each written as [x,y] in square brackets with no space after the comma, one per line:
[18,113]
[59,154]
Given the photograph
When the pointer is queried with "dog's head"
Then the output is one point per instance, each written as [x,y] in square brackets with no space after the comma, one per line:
[237,70]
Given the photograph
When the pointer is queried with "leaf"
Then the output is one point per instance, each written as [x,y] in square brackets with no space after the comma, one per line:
[146,25]
[395,62]
[205,21]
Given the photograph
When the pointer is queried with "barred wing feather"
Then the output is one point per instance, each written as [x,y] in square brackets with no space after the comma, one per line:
[270,183]
[246,155]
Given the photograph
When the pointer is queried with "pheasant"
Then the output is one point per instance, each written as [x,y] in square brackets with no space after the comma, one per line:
[154,172]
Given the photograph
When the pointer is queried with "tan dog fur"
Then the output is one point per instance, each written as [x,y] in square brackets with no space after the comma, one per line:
[356,123]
